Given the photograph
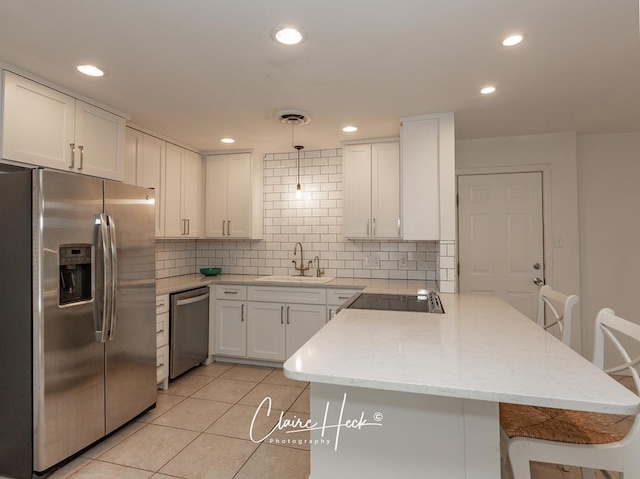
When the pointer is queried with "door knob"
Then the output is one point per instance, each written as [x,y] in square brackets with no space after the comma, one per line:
[537,266]
[538,282]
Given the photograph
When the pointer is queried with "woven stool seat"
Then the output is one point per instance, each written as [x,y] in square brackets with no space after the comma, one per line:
[559,425]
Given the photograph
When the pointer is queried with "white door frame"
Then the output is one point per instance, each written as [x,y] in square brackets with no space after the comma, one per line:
[547,230]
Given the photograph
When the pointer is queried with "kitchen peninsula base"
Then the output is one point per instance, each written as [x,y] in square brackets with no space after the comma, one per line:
[397,434]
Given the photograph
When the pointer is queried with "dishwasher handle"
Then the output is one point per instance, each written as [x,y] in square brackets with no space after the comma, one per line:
[195,299]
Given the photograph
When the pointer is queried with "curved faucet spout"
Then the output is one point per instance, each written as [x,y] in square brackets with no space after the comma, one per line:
[300,268]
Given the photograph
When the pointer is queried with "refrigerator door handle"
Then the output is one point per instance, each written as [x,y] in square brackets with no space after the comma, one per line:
[114,276]
[101,334]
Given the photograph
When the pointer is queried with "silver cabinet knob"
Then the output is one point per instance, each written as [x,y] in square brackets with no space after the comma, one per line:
[537,266]
[538,282]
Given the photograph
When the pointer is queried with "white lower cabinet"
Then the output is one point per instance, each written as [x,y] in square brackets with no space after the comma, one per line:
[162,340]
[266,331]
[336,298]
[230,321]
[303,321]
[281,319]
[266,323]
[275,330]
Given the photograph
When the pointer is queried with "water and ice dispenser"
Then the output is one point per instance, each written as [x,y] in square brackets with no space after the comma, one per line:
[75,273]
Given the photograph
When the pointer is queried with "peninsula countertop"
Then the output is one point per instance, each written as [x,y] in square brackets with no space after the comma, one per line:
[189,281]
[482,349]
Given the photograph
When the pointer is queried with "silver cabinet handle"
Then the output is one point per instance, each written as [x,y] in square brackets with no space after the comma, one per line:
[81,157]
[344,297]
[288,315]
[374,226]
[160,305]
[183,227]
[228,227]
[242,312]
[281,314]
[398,226]
[73,155]
[367,226]
[188,227]
[223,223]
[230,292]
[538,282]
[195,299]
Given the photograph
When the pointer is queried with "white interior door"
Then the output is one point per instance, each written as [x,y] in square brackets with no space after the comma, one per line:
[501,237]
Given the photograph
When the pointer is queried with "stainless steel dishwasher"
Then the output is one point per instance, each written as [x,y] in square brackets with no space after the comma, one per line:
[189,330]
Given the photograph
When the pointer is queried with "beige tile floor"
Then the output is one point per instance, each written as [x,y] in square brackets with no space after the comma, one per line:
[200,430]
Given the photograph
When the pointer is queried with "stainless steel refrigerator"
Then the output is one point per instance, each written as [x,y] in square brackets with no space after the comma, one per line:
[77,318]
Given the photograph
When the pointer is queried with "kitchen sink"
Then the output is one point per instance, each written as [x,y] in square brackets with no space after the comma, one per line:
[295,279]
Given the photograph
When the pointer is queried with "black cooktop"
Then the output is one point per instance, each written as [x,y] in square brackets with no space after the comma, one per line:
[419,303]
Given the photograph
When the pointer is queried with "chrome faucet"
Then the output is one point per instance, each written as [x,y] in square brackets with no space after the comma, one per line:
[301,268]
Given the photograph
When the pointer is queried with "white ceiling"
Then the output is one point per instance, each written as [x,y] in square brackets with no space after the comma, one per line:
[198,70]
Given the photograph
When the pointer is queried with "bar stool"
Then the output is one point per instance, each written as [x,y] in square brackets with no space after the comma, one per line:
[583,439]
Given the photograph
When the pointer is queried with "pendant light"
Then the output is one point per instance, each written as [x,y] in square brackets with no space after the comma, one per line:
[298,187]
[294,118]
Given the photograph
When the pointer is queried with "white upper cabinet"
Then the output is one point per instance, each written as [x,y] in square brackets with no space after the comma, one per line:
[183,193]
[100,142]
[428,177]
[230,196]
[44,127]
[371,184]
[145,166]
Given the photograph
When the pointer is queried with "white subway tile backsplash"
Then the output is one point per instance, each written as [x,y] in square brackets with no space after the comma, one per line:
[315,221]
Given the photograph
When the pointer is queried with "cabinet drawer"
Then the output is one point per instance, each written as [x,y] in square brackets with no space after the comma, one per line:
[335,297]
[162,329]
[162,303]
[234,292]
[283,294]
[162,363]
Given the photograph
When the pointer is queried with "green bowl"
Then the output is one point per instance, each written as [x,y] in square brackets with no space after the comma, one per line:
[210,271]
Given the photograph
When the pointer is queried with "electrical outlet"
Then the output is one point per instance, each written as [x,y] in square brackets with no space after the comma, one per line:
[371,261]
[403,259]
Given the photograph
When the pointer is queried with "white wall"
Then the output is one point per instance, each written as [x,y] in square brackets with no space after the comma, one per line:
[609,206]
[555,156]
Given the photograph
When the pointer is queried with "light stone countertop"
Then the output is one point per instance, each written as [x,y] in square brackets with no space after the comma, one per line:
[482,348]
[190,281]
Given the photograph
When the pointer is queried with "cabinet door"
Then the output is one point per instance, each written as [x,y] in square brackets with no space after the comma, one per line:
[174,226]
[266,331]
[38,123]
[231,328]
[216,196]
[239,198]
[303,321]
[100,142]
[357,191]
[385,190]
[421,180]
[192,197]
[133,151]
[151,174]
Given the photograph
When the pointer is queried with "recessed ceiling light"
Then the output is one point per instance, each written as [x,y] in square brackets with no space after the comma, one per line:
[488,90]
[227,140]
[91,70]
[288,34]
[350,129]
[512,40]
